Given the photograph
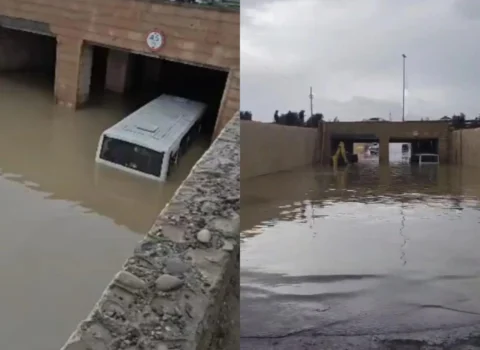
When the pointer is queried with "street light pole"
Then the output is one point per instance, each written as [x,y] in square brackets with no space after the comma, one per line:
[311,101]
[403,101]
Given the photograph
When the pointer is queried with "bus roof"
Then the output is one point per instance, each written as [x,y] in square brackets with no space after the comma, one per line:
[159,124]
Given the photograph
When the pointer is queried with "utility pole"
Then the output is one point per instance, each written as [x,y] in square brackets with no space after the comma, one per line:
[311,101]
[403,100]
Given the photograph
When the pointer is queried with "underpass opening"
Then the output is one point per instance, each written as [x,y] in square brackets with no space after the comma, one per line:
[140,79]
[399,151]
[361,147]
[28,57]
[416,146]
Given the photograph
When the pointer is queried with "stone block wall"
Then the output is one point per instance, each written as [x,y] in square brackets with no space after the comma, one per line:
[180,287]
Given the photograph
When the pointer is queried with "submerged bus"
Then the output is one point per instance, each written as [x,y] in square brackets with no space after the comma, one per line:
[424,158]
[150,141]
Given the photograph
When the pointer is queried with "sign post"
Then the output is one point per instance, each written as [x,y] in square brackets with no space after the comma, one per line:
[155,40]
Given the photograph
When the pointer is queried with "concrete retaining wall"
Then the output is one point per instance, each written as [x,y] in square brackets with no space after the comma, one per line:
[464,147]
[270,148]
[180,287]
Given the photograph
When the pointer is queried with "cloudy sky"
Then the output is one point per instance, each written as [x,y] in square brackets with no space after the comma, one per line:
[350,52]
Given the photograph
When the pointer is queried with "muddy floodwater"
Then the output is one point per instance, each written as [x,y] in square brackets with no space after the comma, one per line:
[66,226]
[364,258]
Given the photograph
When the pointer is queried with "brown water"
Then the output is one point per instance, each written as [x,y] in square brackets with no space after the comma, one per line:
[67,225]
[365,251]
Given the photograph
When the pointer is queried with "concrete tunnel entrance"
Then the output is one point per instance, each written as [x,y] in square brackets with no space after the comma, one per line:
[426,145]
[354,144]
[350,141]
[30,58]
[141,78]
[30,54]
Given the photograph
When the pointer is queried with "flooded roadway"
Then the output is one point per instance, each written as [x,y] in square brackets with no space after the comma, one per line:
[367,258]
[66,225]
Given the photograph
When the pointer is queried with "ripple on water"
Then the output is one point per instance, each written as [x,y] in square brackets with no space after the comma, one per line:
[377,251]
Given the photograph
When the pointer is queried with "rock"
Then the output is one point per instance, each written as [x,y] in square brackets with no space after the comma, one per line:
[208,207]
[157,306]
[161,347]
[162,307]
[204,235]
[129,281]
[173,233]
[145,246]
[228,227]
[175,266]
[97,331]
[227,246]
[166,283]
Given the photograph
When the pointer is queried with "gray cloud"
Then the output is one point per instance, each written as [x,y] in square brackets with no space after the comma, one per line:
[468,9]
[350,52]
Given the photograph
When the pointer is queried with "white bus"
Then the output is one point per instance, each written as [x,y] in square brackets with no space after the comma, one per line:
[424,158]
[151,140]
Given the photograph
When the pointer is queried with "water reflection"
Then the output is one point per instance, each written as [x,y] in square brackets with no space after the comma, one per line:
[66,225]
[263,198]
[54,149]
[366,250]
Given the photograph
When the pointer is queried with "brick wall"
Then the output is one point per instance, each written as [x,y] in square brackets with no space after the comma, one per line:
[202,36]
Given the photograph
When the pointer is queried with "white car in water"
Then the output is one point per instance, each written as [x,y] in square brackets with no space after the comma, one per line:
[374,148]
[425,158]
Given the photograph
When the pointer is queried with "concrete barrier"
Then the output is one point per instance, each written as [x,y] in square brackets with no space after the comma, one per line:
[270,148]
[464,147]
[180,287]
